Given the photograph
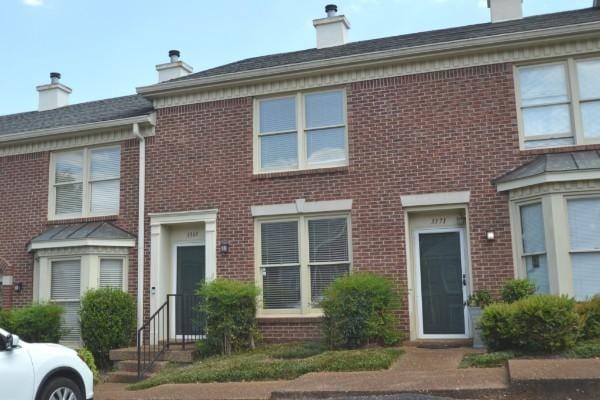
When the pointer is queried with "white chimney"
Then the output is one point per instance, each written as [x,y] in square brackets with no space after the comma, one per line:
[333,30]
[173,69]
[54,94]
[505,10]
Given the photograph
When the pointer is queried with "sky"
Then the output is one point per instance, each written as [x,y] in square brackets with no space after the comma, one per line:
[107,48]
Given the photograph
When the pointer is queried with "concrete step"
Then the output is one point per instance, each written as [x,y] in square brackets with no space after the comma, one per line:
[439,343]
[132,365]
[130,354]
[124,377]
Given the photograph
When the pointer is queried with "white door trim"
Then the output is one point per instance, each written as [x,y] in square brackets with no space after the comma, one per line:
[176,245]
[465,291]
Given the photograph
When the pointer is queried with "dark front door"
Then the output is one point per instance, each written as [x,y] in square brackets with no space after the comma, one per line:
[441,272]
[191,272]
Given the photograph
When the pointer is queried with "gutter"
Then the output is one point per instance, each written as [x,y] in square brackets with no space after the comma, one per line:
[502,40]
[93,126]
[141,227]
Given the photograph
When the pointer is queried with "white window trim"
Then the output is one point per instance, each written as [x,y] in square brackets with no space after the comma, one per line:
[306,309]
[86,182]
[574,104]
[301,131]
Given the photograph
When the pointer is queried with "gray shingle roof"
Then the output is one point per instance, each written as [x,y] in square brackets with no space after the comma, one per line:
[82,113]
[88,230]
[406,41]
[555,162]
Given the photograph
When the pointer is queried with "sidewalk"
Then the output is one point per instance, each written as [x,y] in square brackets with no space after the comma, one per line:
[418,370]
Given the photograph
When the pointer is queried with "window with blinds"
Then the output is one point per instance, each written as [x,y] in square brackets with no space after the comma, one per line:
[65,290]
[87,182]
[584,233]
[534,246]
[560,103]
[280,264]
[111,273]
[295,271]
[301,131]
[329,258]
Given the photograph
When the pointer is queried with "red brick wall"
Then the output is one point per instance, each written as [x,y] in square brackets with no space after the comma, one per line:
[24,214]
[436,132]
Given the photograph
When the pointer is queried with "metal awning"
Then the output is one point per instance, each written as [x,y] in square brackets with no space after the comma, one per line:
[82,234]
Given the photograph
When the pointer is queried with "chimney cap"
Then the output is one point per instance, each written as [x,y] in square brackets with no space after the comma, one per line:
[54,75]
[331,7]
[174,53]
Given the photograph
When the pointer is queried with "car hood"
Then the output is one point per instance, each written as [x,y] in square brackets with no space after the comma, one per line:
[48,349]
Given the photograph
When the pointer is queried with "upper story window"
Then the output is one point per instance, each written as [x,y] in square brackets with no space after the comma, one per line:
[301,131]
[85,182]
[559,103]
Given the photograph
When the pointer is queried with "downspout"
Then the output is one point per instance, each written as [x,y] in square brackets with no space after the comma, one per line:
[141,228]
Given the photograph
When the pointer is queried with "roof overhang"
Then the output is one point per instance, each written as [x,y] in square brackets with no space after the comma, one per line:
[89,128]
[56,244]
[549,177]
[466,46]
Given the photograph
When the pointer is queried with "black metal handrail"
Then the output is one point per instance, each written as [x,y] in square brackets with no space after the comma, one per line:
[154,336]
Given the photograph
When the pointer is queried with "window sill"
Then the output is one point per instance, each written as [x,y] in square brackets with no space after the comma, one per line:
[561,149]
[292,318]
[82,219]
[300,172]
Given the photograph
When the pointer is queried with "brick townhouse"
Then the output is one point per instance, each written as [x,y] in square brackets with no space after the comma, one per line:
[449,161]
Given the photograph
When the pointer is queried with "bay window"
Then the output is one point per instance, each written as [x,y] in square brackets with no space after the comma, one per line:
[534,246]
[300,131]
[299,258]
[85,182]
[559,103]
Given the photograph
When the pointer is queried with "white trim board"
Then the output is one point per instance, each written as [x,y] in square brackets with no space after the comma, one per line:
[549,177]
[435,199]
[301,206]
[55,244]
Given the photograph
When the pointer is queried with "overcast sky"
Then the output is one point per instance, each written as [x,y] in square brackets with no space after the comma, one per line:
[106,48]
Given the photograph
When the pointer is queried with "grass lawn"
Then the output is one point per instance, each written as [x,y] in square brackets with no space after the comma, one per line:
[274,362]
[500,358]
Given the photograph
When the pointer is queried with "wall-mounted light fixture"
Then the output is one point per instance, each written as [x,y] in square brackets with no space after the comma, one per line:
[490,235]
[224,247]
[18,287]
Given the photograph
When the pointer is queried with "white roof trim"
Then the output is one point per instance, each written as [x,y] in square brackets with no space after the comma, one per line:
[150,119]
[549,177]
[183,217]
[301,206]
[458,45]
[56,244]
[435,199]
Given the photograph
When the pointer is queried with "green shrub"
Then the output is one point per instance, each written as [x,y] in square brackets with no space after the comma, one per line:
[88,359]
[480,298]
[517,289]
[536,324]
[358,310]
[39,323]
[589,312]
[496,326]
[6,320]
[230,310]
[585,350]
[108,322]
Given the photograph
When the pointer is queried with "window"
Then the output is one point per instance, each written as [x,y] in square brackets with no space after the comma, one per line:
[534,246]
[86,182]
[302,131]
[584,233]
[65,290]
[300,258]
[560,103]
[111,273]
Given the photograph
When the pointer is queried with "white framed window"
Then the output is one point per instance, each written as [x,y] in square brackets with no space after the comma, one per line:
[112,274]
[85,182]
[65,290]
[559,103]
[533,246]
[301,131]
[584,239]
[298,258]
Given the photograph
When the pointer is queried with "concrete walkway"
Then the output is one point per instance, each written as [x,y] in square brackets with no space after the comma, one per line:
[418,370]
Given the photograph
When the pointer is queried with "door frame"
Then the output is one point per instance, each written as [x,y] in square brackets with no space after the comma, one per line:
[465,288]
[174,270]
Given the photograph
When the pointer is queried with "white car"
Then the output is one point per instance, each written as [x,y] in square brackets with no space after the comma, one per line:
[42,371]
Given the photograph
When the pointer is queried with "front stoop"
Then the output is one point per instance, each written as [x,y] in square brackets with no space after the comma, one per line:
[126,362]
